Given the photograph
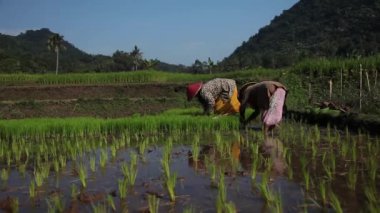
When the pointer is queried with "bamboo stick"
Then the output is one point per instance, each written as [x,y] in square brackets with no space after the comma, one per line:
[375,78]
[369,86]
[360,89]
[341,82]
[330,84]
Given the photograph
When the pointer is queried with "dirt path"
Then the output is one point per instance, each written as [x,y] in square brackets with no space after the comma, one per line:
[94,100]
[90,92]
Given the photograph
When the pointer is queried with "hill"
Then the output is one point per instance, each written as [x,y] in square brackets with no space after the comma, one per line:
[28,52]
[312,28]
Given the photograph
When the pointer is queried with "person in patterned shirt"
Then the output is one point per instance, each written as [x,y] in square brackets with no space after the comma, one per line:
[217,96]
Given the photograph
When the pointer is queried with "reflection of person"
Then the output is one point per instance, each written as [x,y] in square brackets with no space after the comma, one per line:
[210,152]
[218,95]
[267,97]
[274,148]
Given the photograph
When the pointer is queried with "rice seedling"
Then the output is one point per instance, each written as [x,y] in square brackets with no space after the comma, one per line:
[154,203]
[344,149]
[22,169]
[328,130]
[290,173]
[352,177]
[170,183]
[218,143]
[255,166]
[353,151]
[327,167]
[211,167]
[130,172]
[288,158]
[56,165]
[221,199]
[123,185]
[305,172]
[103,158]
[93,163]
[235,165]
[371,194]
[195,150]
[372,167]
[268,164]
[113,150]
[111,203]
[74,191]
[317,134]
[323,192]
[189,210]
[230,207]
[15,205]
[307,179]
[277,206]
[62,161]
[264,189]
[32,190]
[314,149]
[82,172]
[335,203]
[99,208]
[165,167]
[4,176]
[55,204]
[38,177]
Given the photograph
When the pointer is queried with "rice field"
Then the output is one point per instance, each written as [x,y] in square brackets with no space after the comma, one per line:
[145,76]
[182,161]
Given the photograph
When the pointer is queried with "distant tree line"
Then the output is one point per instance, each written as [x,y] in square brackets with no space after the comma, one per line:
[31,52]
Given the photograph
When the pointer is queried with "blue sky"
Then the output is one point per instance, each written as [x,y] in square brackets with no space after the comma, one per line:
[173,31]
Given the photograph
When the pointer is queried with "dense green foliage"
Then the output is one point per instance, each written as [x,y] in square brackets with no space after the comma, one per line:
[312,28]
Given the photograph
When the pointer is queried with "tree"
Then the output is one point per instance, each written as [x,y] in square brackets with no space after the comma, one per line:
[210,64]
[197,66]
[136,57]
[55,43]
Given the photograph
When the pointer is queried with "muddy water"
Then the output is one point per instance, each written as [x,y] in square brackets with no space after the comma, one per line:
[194,189]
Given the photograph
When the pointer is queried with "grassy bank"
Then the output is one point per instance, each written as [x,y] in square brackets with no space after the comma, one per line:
[172,120]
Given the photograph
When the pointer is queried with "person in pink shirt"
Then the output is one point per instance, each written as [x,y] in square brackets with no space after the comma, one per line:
[267,97]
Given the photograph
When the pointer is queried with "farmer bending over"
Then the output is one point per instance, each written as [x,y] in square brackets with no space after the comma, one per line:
[267,97]
[217,96]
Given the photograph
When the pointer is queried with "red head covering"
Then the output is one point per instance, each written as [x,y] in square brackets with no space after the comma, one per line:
[193,89]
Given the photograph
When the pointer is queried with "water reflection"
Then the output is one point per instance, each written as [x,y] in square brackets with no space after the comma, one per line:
[236,157]
[273,148]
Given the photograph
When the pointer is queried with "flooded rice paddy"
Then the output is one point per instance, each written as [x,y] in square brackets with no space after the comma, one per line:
[300,168]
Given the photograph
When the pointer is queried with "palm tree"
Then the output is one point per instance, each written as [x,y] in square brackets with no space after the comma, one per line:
[210,65]
[55,43]
[136,56]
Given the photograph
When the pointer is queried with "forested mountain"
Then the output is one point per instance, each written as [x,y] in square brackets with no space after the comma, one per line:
[28,52]
[312,28]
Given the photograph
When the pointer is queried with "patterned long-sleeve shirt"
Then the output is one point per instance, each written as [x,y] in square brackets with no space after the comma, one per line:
[214,89]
